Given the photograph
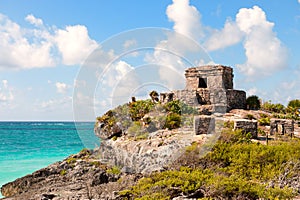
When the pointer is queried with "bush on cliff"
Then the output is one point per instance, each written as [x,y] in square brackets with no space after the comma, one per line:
[253,103]
[235,169]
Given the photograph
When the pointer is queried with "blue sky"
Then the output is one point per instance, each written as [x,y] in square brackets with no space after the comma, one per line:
[43,45]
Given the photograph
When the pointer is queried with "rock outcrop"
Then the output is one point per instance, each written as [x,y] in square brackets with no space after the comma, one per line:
[144,156]
[77,177]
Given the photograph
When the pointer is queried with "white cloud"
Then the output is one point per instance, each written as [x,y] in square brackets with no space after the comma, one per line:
[61,87]
[252,91]
[264,51]
[74,44]
[33,20]
[4,82]
[55,104]
[186,18]
[229,35]
[6,93]
[298,1]
[23,48]
[17,52]
[129,43]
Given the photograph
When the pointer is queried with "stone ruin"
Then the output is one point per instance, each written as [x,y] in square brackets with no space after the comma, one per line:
[282,126]
[209,89]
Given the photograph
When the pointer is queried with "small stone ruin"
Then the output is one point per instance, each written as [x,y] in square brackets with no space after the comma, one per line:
[282,126]
[209,89]
[247,126]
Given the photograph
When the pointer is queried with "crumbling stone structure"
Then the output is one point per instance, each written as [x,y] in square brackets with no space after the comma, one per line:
[210,89]
[282,126]
[247,126]
[204,124]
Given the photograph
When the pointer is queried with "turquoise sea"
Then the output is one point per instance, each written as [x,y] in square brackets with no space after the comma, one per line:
[29,146]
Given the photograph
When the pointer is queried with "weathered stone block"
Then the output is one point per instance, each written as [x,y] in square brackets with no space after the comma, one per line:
[204,124]
[282,126]
[247,126]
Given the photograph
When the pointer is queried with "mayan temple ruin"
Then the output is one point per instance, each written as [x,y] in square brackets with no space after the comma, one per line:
[210,89]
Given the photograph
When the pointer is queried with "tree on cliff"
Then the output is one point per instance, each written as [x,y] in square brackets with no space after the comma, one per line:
[253,103]
[294,107]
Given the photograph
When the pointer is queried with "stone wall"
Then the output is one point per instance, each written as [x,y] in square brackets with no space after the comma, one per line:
[247,126]
[204,124]
[236,99]
[215,77]
[209,85]
[282,126]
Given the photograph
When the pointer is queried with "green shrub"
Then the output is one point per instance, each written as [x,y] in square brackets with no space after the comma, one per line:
[264,121]
[261,132]
[294,103]
[135,129]
[63,172]
[233,169]
[277,108]
[71,160]
[229,125]
[179,107]
[114,170]
[138,109]
[250,116]
[173,121]
[253,103]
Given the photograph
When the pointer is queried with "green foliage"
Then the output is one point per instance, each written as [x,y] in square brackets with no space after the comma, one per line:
[294,103]
[63,172]
[289,115]
[249,116]
[138,109]
[235,136]
[108,119]
[136,129]
[229,125]
[263,115]
[261,132]
[173,121]
[114,138]
[71,160]
[277,108]
[264,121]
[233,169]
[253,103]
[114,170]
[179,107]
[85,152]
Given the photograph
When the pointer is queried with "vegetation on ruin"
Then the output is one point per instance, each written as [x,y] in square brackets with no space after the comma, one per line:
[133,119]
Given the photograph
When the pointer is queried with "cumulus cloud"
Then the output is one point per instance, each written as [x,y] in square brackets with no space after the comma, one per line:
[74,44]
[264,51]
[61,87]
[229,35]
[22,48]
[33,20]
[17,52]
[186,18]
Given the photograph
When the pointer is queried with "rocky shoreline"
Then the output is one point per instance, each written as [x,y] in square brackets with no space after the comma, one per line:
[79,176]
[103,172]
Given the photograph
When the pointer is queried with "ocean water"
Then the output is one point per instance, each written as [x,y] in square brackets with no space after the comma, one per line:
[29,146]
